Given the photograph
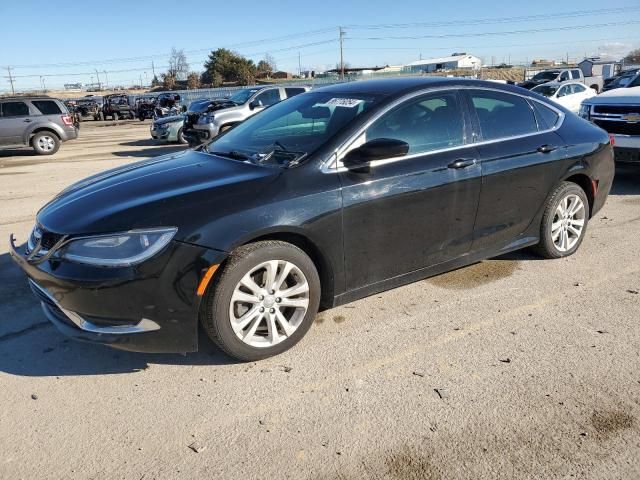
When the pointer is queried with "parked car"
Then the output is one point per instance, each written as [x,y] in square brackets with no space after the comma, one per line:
[41,122]
[559,75]
[618,112]
[327,197]
[117,106]
[222,114]
[620,80]
[568,94]
[169,129]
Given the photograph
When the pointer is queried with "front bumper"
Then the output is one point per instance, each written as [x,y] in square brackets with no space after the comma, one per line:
[151,307]
[160,133]
[201,133]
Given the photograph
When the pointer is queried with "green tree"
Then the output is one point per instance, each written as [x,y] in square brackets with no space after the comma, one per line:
[226,66]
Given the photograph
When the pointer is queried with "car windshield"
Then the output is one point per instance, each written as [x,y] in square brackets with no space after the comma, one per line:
[635,82]
[546,90]
[243,95]
[545,75]
[289,131]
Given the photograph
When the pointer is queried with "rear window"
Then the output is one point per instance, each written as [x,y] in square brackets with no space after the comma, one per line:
[293,91]
[14,109]
[47,107]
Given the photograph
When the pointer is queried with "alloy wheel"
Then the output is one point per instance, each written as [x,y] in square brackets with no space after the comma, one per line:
[46,143]
[269,303]
[568,222]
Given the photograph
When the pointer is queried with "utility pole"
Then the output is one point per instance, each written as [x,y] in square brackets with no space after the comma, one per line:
[98,77]
[13,92]
[106,79]
[42,84]
[299,66]
[153,69]
[341,53]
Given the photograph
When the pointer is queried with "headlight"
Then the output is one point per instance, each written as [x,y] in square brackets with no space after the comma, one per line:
[585,111]
[119,249]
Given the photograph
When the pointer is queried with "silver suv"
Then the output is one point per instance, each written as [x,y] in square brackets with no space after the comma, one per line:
[222,114]
[42,122]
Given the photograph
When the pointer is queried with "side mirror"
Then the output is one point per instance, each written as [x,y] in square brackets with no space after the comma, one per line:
[377,149]
[255,104]
[184,109]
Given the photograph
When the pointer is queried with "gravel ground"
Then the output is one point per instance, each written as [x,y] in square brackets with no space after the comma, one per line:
[511,368]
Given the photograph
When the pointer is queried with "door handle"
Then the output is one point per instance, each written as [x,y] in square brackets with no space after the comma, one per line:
[26,120]
[546,148]
[462,163]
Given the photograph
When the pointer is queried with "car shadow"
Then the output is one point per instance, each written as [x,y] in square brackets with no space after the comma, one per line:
[31,346]
[18,152]
[627,180]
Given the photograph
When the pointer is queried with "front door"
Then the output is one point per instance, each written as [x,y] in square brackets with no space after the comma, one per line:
[415,211]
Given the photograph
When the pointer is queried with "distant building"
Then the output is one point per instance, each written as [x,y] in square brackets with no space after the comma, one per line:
[356,70]
[599,66]
[540,62]
[453,62]
[73,86]
[280,75]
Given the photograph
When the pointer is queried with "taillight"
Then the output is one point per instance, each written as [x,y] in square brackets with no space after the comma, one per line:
[66,119]
[612,140]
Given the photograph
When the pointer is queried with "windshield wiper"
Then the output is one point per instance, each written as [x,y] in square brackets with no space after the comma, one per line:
[236,155]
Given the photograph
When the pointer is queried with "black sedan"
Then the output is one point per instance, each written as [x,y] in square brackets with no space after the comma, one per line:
[327,197]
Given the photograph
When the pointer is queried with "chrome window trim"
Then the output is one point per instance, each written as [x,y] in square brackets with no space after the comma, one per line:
[334,165]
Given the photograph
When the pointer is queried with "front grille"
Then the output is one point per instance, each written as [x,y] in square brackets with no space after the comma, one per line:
[192,118]
[48,239]
[621,128]
[616,109]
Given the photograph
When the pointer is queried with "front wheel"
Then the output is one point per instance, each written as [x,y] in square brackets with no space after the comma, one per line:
[263,302]
[181,138]
[564,222]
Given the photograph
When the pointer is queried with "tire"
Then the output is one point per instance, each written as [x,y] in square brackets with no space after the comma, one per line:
[181,138]
[567,198]
[218,310]
[45,143]
[115,116]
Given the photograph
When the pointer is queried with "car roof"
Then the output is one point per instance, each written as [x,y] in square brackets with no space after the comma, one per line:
[34,97]
[400,86]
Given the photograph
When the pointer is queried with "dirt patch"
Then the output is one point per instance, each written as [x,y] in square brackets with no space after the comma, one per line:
[339,318]
[319,319]
[475,275]
[610,423]
[407,464]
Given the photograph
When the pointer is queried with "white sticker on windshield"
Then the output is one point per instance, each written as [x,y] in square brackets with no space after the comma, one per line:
[343,102]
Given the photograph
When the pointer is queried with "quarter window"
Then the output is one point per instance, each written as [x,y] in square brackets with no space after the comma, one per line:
[14,109]
[547,118]
[503,115]
[431,122]
[293,91]
[47,107]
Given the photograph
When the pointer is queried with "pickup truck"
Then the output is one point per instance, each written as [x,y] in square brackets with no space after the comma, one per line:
[618,112]
[563,75]
[219,115]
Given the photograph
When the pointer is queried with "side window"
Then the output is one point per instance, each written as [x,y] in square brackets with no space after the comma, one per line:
[269,97]
[14,109]
[47,107]
[577,88]
[503,115]
[431,122]
[547,118]
[575,74]
[564,76]
[566,90]
[293,91]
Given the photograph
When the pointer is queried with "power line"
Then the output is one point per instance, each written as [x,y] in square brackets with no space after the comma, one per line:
[511,32]
[489,21]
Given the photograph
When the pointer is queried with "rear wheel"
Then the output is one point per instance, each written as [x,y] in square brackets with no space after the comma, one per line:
[263,302]
[564,222]
[45,143]
[181,138]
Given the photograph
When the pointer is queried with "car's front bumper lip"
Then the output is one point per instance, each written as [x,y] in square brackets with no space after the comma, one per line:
[151,307]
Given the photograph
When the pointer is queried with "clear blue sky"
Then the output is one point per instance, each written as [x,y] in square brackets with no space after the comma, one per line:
[122,38]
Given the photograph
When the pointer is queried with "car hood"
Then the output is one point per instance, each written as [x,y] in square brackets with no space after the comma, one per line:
[171,119]
[529,84]
[184,190]
[619,95]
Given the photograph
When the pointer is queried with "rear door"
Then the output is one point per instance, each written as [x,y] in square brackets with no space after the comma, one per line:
[520,154]
[415,211]
[14,120]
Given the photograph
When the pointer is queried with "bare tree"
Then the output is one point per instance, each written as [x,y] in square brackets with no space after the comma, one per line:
[633,56]
[178,66]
